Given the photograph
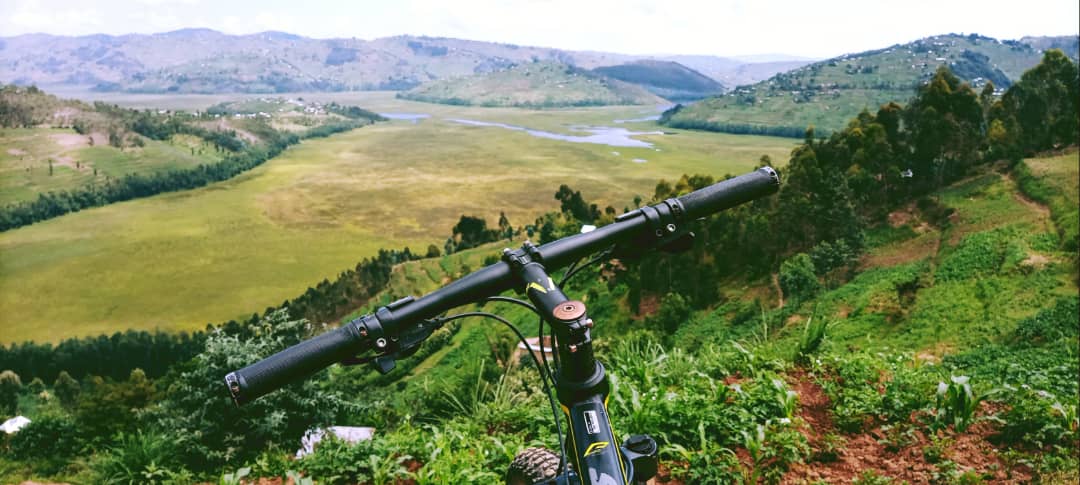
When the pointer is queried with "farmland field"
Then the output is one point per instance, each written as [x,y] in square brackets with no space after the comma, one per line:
[239,246]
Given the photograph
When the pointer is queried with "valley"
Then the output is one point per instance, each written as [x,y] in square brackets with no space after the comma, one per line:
[250,242]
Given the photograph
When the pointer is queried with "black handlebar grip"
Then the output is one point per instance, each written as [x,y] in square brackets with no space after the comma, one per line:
[298,361]
[730,193]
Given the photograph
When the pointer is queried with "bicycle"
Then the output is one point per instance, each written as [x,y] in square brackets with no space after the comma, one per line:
[396,330]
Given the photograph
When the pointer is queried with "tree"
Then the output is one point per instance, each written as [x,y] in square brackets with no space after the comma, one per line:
[945,122]
[472,231]
[572,203]
[1041,110]
[210,430]
[506,231]
[66,389]
[36,386]
[109,407]
[432,251]
[10,388]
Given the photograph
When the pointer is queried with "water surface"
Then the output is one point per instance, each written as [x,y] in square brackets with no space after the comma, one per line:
[600,135]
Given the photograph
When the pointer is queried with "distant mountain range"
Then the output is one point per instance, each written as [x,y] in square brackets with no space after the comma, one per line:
[207,61]
[828,93]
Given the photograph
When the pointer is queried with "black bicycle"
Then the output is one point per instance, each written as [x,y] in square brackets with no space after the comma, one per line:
[581,386]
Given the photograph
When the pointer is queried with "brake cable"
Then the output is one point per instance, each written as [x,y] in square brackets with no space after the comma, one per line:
[543,378]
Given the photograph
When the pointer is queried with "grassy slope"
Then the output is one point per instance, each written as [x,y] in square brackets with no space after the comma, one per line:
[247,243]
[995,264]
[971,294]
[543,84]
[841,89]
[25,154]
[1053,181]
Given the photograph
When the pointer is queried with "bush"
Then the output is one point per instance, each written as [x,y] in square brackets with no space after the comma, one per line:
[10,388]
[1051,324]
[49,440]
[673,313]
[798,279]
[336,461]
[139,458]
[67,389]
[212,431]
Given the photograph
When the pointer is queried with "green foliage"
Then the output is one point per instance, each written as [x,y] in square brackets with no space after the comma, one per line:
[235,478]
[871,477]
[956,403]
[139,458]
[106,407]
[66,389]
[1038,419]
[10,388]
[1041,111]
[35,387]
[812,337]
[707,463]
[1051,324]
[209,429]
[979,254]
[673,313]
[1056,189]
[50,440]
[336,461]
[153,352]
[797,278]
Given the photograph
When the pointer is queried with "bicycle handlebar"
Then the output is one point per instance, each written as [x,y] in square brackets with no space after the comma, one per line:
[659,220]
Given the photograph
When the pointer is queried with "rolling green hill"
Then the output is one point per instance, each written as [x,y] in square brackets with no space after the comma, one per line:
[533,85]
[669,80]
[827,94]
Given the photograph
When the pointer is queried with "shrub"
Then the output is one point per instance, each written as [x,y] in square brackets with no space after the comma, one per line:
[66,388]
[797,278]
[210,429]
[49,440]
[10,388]
[35,387]
[1054,323]
[139,458]
[812,337]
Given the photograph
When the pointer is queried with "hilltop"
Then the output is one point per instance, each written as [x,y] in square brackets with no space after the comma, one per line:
[207,61]
[828,93]
[534,85]
[667,79]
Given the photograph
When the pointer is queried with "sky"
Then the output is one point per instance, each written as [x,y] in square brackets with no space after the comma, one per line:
[807,28]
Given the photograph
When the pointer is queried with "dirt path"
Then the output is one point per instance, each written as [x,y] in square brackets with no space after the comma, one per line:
[881,451]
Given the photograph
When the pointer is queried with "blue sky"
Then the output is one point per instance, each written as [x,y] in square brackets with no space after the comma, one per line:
[821,28]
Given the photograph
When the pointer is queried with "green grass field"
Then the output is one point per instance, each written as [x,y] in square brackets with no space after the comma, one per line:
[26,153]
[181,260]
